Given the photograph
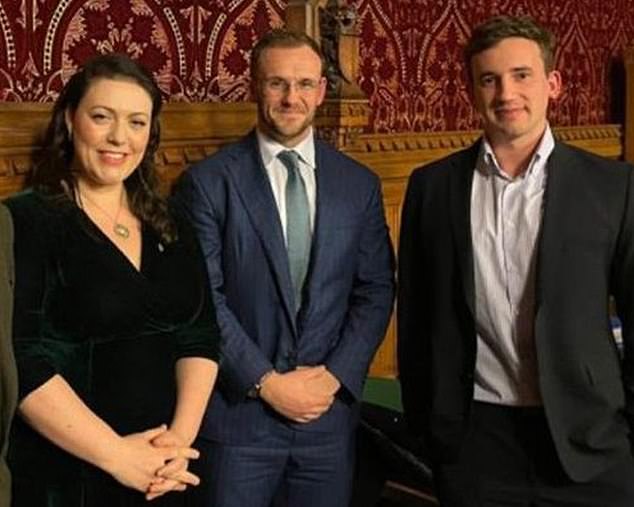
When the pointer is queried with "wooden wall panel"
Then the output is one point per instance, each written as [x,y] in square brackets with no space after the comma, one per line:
[189,132]
[394,156]
[193,131]
[384,364]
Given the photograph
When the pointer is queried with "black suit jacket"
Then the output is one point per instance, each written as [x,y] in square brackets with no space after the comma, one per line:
[585,254]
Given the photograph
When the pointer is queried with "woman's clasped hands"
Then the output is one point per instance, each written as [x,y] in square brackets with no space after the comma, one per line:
[154,462]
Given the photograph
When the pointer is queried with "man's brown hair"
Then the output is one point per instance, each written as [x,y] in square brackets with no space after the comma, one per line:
[498,28]
[280,38]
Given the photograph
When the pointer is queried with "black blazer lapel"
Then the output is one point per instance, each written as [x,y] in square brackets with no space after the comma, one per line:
[461,181]
[558,201]
[252,184]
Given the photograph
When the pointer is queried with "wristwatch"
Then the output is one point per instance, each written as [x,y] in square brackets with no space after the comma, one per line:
[254,392]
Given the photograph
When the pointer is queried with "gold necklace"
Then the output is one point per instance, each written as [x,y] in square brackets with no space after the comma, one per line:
[118,228]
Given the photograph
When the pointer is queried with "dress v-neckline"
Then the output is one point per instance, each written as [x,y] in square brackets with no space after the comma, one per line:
[138,270]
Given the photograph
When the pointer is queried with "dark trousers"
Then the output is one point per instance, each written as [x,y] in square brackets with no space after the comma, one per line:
[509,460]
[290,469]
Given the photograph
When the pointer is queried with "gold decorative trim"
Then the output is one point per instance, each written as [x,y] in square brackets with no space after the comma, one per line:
[370,143]
[394,156]
[610,134]
[605,140]
[191,132]
[343,111]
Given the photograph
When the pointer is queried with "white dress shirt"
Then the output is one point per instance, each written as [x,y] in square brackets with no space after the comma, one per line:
[506,216]
[278,174]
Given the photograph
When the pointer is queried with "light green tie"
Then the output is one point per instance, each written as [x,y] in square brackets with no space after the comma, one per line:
[297,223]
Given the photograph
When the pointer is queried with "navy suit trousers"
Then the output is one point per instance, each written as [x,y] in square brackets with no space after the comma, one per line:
[509,460]
[290,469]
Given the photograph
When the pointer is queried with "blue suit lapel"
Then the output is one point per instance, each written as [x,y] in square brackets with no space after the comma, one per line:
[325,210]
[253,186]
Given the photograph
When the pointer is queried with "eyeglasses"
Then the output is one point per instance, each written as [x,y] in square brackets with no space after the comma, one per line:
[279,85]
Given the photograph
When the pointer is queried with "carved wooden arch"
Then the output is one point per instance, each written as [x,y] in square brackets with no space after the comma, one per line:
[303,16]
[345,113]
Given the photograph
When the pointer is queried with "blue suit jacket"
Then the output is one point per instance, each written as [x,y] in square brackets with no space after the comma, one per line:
[348,294]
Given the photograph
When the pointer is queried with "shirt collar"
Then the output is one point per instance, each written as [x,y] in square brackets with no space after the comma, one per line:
[269,149]
[488,164]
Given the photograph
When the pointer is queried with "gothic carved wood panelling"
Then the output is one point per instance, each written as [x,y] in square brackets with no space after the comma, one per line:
[189,132]
[410,68]
[193,131]
[394,156]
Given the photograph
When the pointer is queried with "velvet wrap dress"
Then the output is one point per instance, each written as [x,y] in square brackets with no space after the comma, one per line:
[112,331]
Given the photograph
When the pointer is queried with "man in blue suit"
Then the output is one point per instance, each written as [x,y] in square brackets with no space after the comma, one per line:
[301,270]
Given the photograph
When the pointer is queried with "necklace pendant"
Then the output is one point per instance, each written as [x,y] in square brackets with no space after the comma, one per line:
[121,230]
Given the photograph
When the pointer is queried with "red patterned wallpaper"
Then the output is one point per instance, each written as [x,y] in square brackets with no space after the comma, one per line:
[198,49]
[411,62]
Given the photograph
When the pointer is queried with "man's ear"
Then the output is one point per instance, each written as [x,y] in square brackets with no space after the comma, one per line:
[554,84]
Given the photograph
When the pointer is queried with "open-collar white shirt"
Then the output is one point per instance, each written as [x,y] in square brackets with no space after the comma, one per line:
[506,217]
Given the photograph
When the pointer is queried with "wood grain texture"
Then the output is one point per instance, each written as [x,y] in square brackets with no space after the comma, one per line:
[191,132]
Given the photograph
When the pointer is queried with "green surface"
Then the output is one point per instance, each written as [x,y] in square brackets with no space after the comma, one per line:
[384,392]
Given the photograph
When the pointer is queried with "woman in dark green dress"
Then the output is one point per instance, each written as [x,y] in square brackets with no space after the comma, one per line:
[115,335]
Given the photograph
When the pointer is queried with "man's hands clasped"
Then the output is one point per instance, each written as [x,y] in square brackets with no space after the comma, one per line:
[303,394]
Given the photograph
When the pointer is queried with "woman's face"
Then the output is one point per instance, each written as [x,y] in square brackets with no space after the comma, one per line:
[110,131]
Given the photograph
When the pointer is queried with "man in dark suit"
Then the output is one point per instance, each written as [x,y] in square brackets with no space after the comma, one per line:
[509,252]
[301,270]
[8,376]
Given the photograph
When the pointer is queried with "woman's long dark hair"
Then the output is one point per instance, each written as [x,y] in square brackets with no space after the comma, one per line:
[53,172]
